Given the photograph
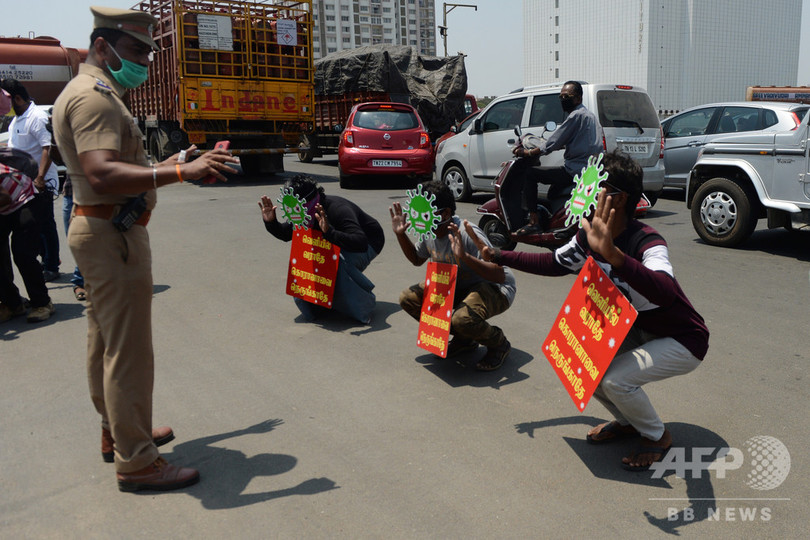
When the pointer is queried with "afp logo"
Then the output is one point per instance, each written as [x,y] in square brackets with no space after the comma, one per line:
[766,461]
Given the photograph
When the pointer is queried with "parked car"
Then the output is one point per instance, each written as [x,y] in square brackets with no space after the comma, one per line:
[384,139]
[470,161]
[687,132]
[742,178]
[458,128]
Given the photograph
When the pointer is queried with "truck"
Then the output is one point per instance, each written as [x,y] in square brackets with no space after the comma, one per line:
[436,87]
[42,64]
[794,94]
[740,179]
[236,70]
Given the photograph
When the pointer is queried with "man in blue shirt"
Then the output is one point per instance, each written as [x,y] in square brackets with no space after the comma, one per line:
[581,136]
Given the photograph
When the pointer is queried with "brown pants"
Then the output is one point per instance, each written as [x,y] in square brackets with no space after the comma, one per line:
[472,308]
[117,269]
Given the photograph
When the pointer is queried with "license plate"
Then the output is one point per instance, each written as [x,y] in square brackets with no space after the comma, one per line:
[635,148]
[386,163]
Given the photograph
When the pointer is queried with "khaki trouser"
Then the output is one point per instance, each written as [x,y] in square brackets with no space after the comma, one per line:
[472,308]
[117,269]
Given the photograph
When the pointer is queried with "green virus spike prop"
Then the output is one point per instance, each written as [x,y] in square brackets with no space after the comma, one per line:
[421,214]
[294,209]
[583,198]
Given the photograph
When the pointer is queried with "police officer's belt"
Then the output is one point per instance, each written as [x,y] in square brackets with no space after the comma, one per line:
[107,211]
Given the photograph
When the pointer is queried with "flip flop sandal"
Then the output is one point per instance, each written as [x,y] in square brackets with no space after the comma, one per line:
[80,293]
[616,433]
[642,449]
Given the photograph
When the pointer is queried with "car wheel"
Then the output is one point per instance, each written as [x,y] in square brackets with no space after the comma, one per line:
[496,232]
[457,181]
[722,213]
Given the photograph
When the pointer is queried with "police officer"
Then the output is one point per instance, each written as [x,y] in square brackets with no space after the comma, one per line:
[103,150]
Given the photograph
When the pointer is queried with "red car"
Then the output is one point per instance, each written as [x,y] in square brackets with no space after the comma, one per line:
[384,139]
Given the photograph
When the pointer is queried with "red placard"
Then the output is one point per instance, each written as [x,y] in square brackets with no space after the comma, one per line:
[590,328]
[313,267]
[437,308]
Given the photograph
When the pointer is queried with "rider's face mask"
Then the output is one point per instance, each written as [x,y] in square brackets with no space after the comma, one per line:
[567,103]
[131,74]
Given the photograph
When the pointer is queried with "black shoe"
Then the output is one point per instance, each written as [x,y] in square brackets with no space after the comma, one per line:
[459,345]
[495,357]
[531,228]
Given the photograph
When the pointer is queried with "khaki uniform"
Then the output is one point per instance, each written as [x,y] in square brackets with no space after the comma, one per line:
[117,267]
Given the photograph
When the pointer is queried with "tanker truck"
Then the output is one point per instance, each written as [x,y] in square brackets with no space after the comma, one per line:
[233,70]
[41,64]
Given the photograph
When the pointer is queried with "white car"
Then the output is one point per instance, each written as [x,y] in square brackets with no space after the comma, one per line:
[470,160]
[688,131]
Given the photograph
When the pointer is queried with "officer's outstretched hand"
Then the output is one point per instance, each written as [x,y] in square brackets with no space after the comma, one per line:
[398,221]
[212,163]
[268,209]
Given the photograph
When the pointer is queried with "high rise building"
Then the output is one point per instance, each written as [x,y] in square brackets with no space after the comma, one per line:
[684,52]
[347,24]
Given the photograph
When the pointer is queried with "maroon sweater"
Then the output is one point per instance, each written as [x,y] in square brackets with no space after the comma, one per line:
[646,279]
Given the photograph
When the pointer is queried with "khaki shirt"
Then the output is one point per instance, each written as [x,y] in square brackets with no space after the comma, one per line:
[90,115]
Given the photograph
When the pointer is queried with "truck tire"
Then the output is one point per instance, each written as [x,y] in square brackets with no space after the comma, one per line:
[159,145]
[305,156]
[457,181]
[722,212]
[496,232]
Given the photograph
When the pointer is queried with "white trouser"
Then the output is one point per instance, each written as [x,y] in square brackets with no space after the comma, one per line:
[642,358]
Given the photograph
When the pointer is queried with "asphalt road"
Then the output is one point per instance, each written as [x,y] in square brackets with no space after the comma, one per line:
[335,430]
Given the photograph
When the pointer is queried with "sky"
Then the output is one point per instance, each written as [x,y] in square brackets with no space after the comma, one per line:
[491,36]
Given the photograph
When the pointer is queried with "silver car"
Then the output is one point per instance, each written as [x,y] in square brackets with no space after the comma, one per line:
[688,131]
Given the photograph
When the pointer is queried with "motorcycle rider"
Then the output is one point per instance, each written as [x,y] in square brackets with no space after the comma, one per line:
[582,137]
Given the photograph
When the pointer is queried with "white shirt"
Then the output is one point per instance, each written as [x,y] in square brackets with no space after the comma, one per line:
[28,132]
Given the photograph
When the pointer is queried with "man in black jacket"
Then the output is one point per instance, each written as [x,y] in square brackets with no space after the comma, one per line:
[358,235]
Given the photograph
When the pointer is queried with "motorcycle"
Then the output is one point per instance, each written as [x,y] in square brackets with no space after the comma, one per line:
[503,215]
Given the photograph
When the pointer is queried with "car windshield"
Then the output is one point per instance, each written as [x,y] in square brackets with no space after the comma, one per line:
[625,109]
[386,119]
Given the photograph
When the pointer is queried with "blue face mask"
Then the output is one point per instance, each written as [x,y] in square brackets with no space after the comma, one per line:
[131,74]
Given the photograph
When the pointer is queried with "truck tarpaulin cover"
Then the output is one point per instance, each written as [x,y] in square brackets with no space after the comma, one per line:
[436,86]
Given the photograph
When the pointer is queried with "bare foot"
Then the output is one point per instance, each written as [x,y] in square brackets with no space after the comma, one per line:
[648,453]
[610,431]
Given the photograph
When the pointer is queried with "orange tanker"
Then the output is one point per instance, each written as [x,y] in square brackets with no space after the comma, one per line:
[42,64]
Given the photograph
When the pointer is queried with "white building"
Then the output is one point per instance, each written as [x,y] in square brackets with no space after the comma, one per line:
[684,52]
[346,24]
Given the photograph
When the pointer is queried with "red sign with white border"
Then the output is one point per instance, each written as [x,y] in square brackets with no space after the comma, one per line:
[591,326]
[437,308]
[313,267]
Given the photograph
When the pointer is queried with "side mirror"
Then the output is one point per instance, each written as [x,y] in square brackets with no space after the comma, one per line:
[551,125]
[477,125]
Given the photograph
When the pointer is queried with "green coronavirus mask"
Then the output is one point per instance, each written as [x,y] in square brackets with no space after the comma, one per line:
[131,74]
[294,209]
[583,198]
[422,215]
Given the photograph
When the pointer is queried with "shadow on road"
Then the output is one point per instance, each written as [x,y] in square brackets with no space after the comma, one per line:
[604,462]
[335,321]
[226,473]
[460,371]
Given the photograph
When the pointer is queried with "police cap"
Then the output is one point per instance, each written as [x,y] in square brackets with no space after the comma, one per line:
[138,24]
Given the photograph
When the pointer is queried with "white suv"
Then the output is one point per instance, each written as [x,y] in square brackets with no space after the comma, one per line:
[470,160]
